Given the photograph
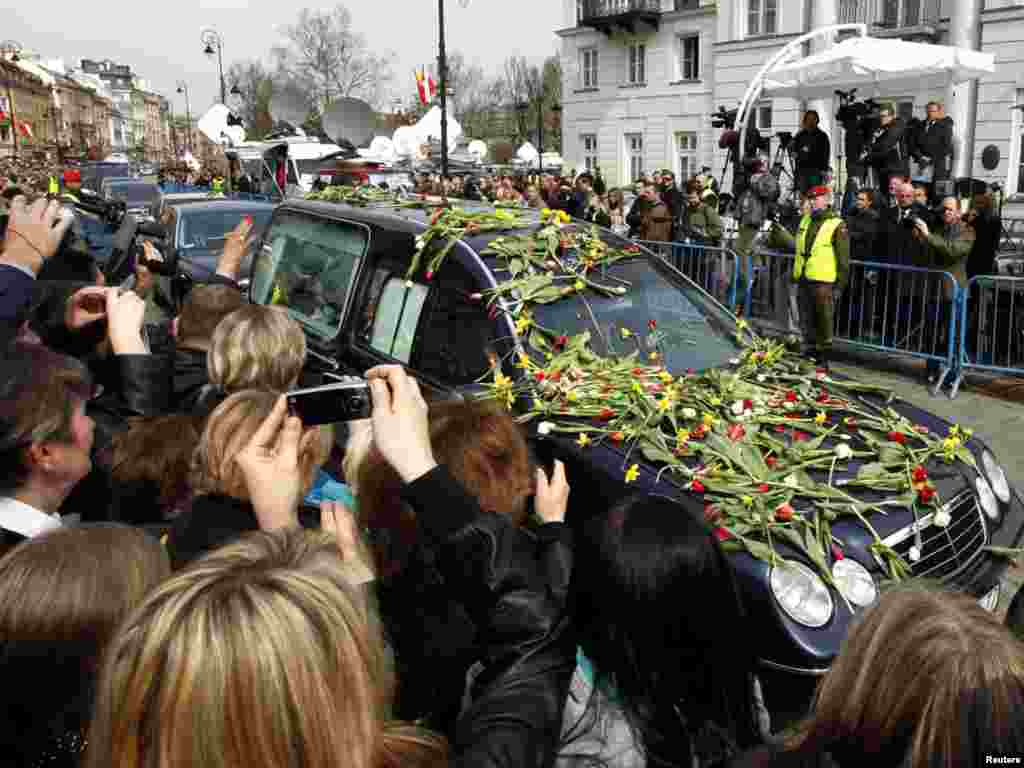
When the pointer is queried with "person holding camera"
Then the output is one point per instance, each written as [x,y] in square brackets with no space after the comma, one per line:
[886,152]
[811,151]
[821,270]
[700,223]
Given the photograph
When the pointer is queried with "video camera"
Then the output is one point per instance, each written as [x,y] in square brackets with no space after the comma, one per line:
[724,118]
[857,115]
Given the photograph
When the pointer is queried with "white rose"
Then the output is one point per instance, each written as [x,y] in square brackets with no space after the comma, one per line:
[941,518]
[762,378]
[544,428]
[734,361]
[689,413]
[844,451]
[737,408]
[914,554]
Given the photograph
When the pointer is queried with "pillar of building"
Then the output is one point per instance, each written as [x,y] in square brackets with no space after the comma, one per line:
[962,99]
[825,13]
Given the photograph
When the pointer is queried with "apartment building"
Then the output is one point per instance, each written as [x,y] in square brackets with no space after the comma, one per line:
[641,77]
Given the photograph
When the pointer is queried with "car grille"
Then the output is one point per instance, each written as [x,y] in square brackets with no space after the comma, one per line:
[945,552]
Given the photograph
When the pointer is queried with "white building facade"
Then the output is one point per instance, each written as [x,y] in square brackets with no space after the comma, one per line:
[642,77]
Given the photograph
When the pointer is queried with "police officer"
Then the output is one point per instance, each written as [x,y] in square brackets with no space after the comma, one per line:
[820,270]
[53,186]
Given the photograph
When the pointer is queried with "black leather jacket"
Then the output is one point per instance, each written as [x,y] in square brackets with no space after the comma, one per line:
[513,588]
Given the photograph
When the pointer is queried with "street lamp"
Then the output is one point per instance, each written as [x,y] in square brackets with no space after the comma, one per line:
[442,75]
[211,39]
[235,90]
[9,49]
[183,88]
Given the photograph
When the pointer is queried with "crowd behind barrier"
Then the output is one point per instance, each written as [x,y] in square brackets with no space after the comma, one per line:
[905,311]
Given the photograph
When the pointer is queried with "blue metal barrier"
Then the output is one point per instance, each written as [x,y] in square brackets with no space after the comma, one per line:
[906,311]
[716,270]
[992,326]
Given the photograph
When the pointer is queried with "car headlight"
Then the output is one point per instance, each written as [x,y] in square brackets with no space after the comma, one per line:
[987,498]
[801,593]
[996,477]
[854,582]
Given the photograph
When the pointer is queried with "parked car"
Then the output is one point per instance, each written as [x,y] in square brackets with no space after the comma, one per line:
[344,273]
[137,195]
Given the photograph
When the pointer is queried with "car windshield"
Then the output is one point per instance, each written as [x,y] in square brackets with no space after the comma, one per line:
[207,229]
[660,312]
[134,194]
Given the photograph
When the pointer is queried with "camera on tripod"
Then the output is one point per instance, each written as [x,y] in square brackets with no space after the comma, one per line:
[724,118]
[785,140]
[857,115]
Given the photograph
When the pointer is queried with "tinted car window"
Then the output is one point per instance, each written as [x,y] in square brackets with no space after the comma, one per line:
[692,331]
[456,333]
[393,313]
[307,266]
[133,194]
[207,229]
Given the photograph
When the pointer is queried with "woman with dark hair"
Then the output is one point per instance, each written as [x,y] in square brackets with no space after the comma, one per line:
[665,672]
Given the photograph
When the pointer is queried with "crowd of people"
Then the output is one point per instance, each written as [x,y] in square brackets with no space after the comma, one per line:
[192,576]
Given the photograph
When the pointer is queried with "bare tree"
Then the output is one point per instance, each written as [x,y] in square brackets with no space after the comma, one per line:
[322,51]
[256,83]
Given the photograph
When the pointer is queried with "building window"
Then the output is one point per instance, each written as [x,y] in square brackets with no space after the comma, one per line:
[689,57]
[762,17]
[588,66]
[686,151]
[635,155]
[589,142]
[1015,183]
[762,117]
[897,13]
[637,69]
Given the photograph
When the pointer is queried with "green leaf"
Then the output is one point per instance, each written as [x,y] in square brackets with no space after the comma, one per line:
[539,341]
[892,453]
[546,295]
[653,453]
[966,457]
[873,471]
[759,550]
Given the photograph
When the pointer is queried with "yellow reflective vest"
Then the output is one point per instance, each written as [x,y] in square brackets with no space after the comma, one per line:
[820,266]
[54,186]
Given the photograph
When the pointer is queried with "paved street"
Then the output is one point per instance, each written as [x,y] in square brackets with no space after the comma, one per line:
[992,408]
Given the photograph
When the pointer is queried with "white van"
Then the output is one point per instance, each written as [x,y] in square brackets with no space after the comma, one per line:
[302,158]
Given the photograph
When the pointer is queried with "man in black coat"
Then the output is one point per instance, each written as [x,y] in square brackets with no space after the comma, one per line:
[812,149]
[934,144]
[886,152]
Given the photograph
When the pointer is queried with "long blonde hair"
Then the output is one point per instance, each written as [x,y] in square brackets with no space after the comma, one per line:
[928,677]
[263,654]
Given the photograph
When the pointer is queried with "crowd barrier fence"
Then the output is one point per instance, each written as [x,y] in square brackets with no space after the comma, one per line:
[992,326]
[906,311]
[716,270]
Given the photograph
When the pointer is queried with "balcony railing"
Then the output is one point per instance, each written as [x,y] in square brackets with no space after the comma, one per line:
[604,9]
[890,14]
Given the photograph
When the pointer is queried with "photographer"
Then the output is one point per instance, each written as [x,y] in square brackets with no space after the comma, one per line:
[755,207]
[886,152]
[811,151]
[933,145]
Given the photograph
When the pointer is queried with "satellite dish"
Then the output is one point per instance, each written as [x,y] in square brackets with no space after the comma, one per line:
[349,120]
[214,126]
[478,149]
[990,157]
[381,146]
[289,105]
[405,141]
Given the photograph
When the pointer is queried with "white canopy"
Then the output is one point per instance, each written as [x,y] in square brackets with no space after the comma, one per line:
[876,66]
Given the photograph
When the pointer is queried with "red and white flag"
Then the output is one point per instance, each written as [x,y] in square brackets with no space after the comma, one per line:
[426,86]
[26,129]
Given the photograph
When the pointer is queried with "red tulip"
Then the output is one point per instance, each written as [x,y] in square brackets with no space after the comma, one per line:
[722,534]
[898,437]
[748,405]
[764,487]
[926,494]
[736,432]
[920,474]
[697,486]
[837,553]
[784,513]
[652,324]
[607,414]
[712,514]
[771,461]
[791,396]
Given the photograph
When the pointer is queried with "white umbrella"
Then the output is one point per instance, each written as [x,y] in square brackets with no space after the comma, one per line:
[875,65]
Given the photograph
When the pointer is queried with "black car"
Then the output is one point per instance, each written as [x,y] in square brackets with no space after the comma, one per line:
[138,195]
[197,231]
[796,469]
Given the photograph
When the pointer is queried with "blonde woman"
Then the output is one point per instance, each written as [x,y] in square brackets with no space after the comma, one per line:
[927,679]
[258,347]
[222,507]
[264,655]
[269,655]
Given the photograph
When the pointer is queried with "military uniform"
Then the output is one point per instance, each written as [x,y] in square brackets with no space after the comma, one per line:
[821,270]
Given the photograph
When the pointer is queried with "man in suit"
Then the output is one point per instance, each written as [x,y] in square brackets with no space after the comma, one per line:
[934,144]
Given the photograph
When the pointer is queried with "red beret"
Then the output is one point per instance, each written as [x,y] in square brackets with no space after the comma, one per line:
[821,189]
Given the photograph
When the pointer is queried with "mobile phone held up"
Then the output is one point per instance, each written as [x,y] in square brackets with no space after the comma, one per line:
[347,400]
